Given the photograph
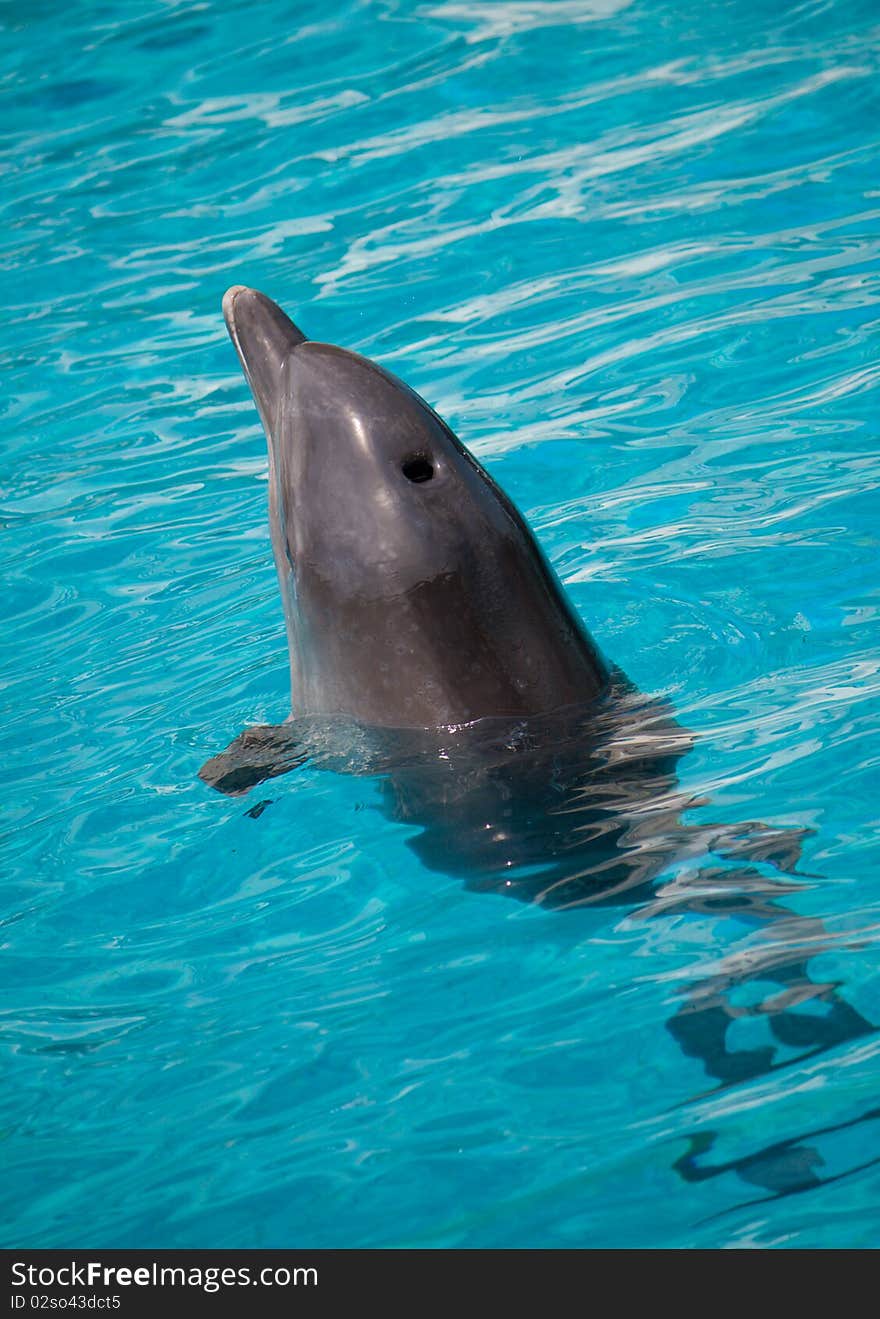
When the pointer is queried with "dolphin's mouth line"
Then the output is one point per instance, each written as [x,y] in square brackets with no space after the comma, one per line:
[229,317]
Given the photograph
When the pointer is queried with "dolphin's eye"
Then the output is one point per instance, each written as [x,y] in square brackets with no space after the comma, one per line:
[417,468]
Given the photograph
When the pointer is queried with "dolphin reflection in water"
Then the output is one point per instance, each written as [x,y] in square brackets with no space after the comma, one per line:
[432,646]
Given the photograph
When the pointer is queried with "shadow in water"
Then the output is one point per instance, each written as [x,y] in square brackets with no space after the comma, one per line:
[580,810]
[786,1167]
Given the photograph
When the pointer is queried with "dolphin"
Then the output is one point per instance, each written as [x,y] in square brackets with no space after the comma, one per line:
[426,628]
[414,592]
[432,646]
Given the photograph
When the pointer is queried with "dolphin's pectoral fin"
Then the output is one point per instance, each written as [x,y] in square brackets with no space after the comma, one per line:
[261,752]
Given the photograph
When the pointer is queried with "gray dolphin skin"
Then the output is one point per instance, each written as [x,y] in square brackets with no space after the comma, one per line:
[432,647]
[415,594]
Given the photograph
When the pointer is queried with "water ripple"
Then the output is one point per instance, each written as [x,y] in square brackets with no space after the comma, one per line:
[632,253]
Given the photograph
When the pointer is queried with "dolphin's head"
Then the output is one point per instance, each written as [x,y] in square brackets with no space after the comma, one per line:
[414,592]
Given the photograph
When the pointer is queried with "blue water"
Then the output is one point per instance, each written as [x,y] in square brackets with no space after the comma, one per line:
[630,252]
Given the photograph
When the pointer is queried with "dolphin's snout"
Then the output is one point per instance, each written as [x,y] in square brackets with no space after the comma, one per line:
[264,338]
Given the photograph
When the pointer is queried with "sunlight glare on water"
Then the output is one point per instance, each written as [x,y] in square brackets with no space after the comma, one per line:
[629,251]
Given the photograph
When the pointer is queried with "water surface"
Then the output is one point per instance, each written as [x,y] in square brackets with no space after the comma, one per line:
[630,252]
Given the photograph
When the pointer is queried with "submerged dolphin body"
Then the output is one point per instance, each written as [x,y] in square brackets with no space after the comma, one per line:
[432,645]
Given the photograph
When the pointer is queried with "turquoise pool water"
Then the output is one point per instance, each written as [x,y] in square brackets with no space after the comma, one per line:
[630,252]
